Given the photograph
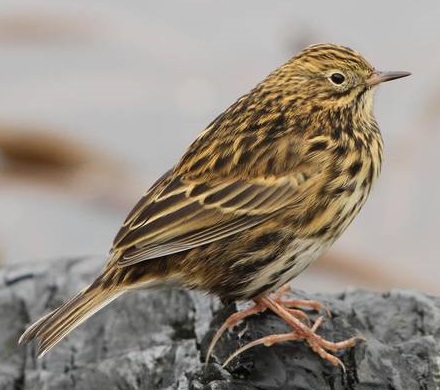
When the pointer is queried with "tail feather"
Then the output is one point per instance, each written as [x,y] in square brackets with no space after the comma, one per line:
[54,326]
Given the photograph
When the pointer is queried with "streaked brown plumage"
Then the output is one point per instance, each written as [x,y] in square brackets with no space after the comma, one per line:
[261,193]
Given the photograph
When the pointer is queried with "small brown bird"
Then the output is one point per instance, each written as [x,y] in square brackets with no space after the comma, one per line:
[268,186]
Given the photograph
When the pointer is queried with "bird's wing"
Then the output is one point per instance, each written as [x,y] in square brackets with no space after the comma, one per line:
[246,166]
[184,214]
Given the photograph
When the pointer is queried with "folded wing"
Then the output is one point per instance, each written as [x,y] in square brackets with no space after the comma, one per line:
[188,214]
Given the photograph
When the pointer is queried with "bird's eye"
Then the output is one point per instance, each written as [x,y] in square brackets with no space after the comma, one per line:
[337,78]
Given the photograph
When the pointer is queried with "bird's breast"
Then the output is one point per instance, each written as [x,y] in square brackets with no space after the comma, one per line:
[341,192]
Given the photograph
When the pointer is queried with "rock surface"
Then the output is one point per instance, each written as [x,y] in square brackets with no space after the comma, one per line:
[157,340]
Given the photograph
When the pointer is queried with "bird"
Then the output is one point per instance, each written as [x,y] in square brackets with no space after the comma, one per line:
[261,193]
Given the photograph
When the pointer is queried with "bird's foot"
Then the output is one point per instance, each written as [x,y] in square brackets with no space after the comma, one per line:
[230,322]
[301,331]
[295,306]
[292,306]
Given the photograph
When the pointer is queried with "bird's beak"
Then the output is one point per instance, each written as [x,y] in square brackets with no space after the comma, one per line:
[380,77]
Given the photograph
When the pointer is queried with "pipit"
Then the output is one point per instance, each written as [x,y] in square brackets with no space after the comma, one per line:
[264,190]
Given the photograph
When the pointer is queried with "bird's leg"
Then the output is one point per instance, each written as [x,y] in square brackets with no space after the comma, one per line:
[301,332]
[298,303]
[278,296]
[231,321]
[270,340]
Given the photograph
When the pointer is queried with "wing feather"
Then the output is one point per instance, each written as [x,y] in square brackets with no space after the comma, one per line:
[193,215]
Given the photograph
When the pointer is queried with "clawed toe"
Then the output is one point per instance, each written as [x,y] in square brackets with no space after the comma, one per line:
[289,311]
[317,343]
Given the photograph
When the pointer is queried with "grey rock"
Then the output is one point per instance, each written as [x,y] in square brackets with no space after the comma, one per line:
[157,339]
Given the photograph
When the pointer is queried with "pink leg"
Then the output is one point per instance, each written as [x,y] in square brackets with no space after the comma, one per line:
[235,318]
[298,303]
[231,321]
[300,332]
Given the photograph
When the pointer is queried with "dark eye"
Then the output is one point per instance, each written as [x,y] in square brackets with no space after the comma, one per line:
[337,78]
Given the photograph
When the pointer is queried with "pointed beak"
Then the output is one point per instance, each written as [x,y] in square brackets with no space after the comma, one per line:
[380,77]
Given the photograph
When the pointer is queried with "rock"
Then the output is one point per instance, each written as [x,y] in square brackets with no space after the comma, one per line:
[157,340]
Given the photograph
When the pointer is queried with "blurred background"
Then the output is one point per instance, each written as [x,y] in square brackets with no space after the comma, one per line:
[97,99]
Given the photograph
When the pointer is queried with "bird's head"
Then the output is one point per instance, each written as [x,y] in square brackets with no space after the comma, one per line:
[328,75]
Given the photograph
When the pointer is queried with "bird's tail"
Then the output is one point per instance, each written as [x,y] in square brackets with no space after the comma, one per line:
[54,326]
